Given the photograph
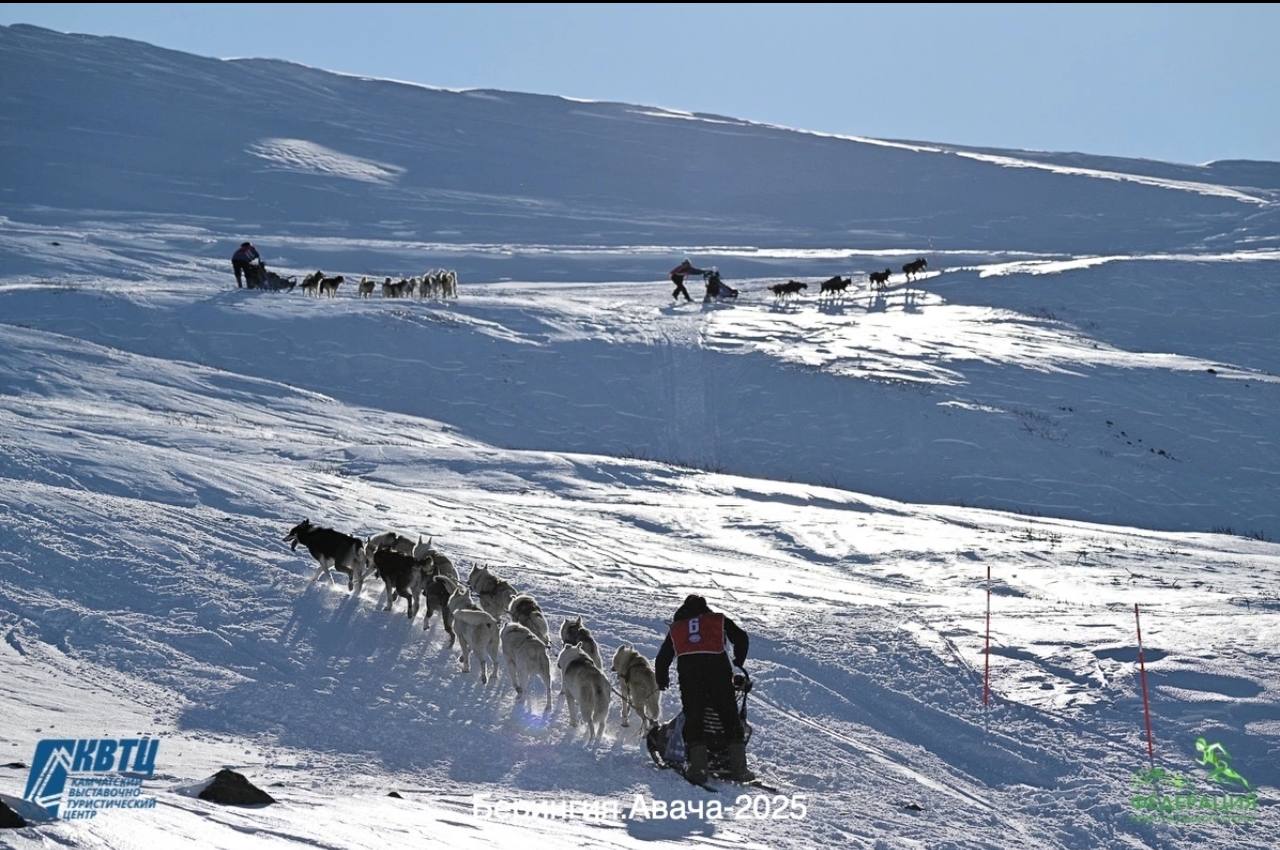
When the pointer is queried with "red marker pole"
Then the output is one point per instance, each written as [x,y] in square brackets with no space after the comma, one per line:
[986,669]
[1146,701]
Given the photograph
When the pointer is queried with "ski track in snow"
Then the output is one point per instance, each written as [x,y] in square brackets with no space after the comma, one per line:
[158,436]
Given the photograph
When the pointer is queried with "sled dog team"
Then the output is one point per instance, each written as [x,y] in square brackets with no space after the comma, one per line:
[434,283]
[473,614]
[836,286]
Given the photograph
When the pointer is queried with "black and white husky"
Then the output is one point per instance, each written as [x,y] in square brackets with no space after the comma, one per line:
[638,686]
[573,632]
[333,550]
[527,658]
[585,688]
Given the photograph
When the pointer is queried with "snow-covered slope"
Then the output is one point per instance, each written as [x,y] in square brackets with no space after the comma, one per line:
[1080,395]
[153,456]
[1123,389]
[143,503]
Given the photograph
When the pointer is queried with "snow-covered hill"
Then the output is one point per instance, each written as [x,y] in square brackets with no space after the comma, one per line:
[108,124]
[1079,395]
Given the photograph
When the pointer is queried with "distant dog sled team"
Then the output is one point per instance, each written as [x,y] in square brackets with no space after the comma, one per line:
[487,618]
[251,273]
[716,287]
[833,287]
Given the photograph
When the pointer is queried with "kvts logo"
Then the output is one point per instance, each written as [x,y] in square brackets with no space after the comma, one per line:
[75,778]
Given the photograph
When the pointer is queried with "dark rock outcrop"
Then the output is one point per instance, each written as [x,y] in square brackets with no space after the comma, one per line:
[9,819]
[229,788]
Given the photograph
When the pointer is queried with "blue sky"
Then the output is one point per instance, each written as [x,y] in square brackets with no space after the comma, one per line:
[1182,83]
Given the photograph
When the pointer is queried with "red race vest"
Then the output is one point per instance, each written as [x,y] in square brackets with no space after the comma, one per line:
[703,633]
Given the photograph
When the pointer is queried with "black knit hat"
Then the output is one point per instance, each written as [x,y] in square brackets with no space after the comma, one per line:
[693,605]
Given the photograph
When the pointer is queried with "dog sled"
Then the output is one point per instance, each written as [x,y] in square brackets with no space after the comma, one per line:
[717,289]
[665,742]
[258,277]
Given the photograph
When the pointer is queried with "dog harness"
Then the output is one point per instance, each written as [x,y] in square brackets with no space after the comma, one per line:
[637,663]
[697,635]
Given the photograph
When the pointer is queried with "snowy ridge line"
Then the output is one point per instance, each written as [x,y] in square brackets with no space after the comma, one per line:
[668,113]
[493,94]
[1206,189]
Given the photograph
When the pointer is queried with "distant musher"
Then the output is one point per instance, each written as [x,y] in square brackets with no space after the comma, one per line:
[677,277]
[242,262]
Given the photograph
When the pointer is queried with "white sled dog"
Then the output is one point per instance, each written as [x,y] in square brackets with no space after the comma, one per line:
[639,687]
[585,687]
[527,658]
[477,631]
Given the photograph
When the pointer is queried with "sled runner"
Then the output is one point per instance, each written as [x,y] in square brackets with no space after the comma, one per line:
[666,741]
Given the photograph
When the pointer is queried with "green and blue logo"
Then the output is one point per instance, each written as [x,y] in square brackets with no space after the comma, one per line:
[1167,796]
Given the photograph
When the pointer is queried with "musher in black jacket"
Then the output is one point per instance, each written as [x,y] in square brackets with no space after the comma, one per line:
[697,640]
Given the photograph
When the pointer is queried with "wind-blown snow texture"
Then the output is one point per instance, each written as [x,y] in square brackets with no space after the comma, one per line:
[1081,394]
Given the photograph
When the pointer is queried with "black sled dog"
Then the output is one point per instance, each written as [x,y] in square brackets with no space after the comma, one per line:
[333,550]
